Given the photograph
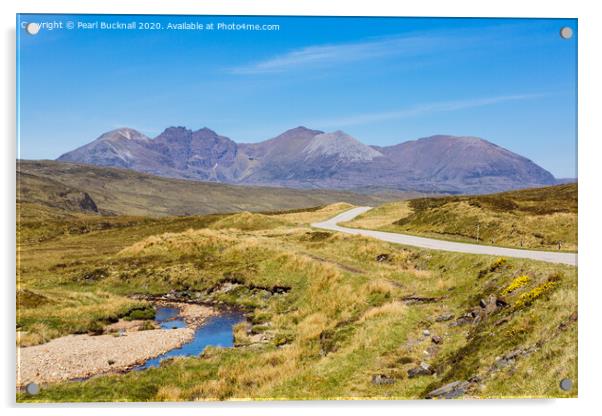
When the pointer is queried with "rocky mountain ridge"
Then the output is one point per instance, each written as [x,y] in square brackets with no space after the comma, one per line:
[306,158]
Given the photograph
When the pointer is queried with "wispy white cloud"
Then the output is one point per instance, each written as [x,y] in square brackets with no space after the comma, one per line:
[345,53]
[408,45]
[423,109]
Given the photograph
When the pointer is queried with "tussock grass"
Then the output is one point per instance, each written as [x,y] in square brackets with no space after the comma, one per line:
[396,309]
[189,242]
[321,214]
[246,221]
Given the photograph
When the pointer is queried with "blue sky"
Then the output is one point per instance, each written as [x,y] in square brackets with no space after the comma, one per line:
[382,80]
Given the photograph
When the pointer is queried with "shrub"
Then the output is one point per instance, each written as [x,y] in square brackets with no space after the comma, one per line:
[147,326]
[141,312]
[517,283]
[497,264]
[526,299]
[95,328]
[555,277]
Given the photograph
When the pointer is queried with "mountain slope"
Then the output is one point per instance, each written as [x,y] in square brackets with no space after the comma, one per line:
[466,162]
[306,158]
[121,191]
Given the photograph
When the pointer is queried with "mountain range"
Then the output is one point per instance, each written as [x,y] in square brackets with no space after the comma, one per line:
[306,158]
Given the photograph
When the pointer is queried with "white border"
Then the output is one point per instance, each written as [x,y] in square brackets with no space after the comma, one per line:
[590,135]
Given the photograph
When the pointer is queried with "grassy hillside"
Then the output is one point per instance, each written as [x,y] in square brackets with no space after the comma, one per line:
[125,192]
[540,218]
[358,318]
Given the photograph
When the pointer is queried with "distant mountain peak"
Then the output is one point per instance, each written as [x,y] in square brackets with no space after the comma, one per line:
[303,129]
[300,132]
[341,145]
[206,130]
[175,131]
[123,133]
[205,133]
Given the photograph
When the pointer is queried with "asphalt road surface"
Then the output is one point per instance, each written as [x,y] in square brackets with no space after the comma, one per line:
[434,244]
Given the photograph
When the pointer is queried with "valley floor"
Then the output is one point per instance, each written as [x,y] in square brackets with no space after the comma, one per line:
[329,315]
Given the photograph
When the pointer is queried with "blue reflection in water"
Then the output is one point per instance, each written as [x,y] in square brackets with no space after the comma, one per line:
[167,318]
[216,331]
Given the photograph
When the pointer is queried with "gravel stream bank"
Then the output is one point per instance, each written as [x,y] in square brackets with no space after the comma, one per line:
[80,356]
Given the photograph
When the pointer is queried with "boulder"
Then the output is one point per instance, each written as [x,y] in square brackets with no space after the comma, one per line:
[449,391]
[444,317]
[422,370]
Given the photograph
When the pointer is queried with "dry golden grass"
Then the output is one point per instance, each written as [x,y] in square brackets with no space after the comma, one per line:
[169,394]
[170,244]
[324,213]
[246,221]
[380,216]
[394,309]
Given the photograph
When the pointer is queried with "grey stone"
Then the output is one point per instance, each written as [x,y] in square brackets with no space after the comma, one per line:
[380,379]
[449,391]
[436,339]
[444,317]
[422,370]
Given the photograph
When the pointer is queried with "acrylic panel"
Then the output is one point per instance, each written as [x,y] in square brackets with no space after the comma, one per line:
[295,208]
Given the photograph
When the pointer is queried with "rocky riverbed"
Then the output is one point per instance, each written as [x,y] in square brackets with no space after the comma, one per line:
[125,346]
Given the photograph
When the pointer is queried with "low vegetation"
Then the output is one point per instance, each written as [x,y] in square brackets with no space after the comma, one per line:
[339,316]
[541,218]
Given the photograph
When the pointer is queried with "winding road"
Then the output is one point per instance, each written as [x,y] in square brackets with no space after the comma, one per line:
[434,244]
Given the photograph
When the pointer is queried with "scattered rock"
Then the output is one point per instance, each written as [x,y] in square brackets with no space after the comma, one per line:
[422,370]
[501,303]
[444,317]
[565,324]
[382,257]
[436,339]
[449,391]
[491,304]
[510,357]
[228,287]
[419,299]
[380,379]
[467,318]
[426,332]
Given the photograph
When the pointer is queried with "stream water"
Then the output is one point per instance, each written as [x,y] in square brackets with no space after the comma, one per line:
[216,331]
